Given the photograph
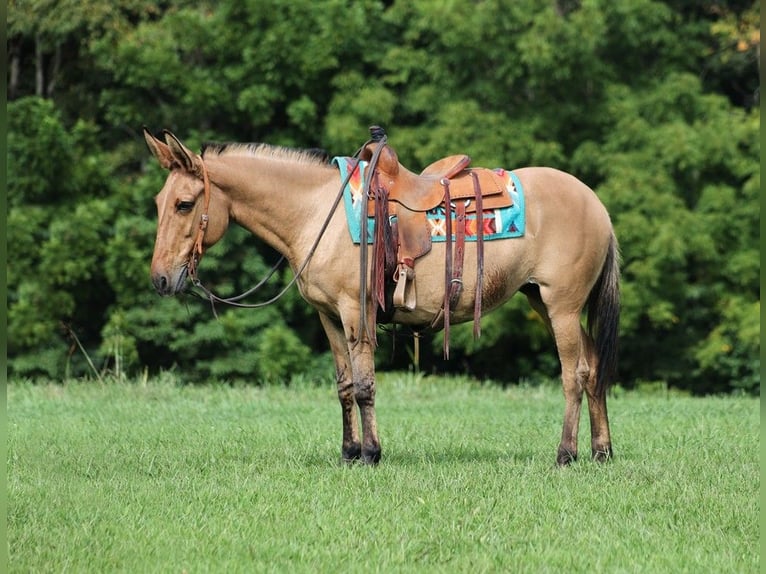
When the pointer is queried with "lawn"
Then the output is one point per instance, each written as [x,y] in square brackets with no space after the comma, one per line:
[161,477]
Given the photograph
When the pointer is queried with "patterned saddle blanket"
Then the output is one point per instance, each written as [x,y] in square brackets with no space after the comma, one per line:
[504,223]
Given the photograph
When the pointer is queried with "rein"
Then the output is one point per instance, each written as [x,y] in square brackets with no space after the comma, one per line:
[197,250]
[379,136]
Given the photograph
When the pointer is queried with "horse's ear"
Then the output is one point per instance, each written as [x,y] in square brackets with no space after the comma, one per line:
[183,155]
[159,149]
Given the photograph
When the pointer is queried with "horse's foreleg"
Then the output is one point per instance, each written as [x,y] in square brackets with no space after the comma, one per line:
[351,448]
[363,369]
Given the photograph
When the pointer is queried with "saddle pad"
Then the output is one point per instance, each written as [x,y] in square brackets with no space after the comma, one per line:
[498,223]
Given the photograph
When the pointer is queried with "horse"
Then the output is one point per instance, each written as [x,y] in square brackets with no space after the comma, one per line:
[566,264]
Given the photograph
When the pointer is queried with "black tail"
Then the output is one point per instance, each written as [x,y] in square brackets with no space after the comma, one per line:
[604,316]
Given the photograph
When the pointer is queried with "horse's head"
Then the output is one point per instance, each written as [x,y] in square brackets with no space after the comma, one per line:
[192,214]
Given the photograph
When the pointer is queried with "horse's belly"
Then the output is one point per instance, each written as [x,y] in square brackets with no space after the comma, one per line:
[504,271]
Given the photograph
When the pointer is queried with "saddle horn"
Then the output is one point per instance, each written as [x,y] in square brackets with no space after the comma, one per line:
[388,161]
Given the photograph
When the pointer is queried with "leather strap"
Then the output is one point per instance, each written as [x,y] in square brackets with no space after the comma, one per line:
[196,255]
[453,286]
[479,257]
[365,328]
[379,248]
[456,283]
[453,268]
[447,263]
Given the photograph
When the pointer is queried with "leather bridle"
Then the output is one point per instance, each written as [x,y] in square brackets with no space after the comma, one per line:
[197,249]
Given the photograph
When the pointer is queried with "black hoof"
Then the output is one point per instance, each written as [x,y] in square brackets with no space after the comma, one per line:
[351,454]
[371,455]
[565,457]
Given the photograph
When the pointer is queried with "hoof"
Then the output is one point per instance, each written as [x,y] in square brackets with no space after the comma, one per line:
[351,453]
[371,456]
[603,454]
[565,457]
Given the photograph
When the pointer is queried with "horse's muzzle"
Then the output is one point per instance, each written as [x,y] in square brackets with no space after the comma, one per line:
[170,284]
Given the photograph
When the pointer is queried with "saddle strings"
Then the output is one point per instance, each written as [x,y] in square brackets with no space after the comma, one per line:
[234,301]
[379,137]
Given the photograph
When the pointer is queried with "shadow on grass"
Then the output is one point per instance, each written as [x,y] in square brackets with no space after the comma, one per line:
[450,455]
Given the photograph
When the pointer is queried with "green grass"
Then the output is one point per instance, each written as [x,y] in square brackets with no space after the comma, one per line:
[166,478]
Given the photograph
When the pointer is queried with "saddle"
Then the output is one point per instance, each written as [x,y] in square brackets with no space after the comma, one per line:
[399,200]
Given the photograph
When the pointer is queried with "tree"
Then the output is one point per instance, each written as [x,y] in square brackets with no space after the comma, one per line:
[652,103]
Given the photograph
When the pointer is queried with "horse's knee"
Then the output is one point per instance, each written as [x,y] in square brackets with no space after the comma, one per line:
[364,391]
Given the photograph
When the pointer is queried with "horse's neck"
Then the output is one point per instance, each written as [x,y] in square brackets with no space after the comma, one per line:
[275,200]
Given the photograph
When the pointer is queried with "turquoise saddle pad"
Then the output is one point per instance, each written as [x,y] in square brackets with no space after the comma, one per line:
[497,223]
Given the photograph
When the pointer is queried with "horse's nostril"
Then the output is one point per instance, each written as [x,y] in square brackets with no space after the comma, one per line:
[160,283]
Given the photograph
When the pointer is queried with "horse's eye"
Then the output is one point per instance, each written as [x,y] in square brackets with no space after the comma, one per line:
[184,206]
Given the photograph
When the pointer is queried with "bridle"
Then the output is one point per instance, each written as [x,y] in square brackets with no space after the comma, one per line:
[197,249]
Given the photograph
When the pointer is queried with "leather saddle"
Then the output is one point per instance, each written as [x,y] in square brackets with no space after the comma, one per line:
[425,192]
[399,200]
[408,196]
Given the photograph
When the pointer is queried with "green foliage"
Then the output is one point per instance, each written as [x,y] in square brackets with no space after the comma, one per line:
[730,352]
[652,103]
[43,160]
[57,233]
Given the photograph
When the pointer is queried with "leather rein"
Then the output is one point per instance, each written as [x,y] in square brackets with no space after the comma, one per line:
[197,250]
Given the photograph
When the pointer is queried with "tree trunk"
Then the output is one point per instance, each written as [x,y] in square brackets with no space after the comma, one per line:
[39,67]
[54,72]
[13,72]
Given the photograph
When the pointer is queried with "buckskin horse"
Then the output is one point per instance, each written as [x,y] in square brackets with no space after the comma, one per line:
[566,262]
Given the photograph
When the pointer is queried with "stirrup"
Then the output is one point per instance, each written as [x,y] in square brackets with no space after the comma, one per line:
[404,294]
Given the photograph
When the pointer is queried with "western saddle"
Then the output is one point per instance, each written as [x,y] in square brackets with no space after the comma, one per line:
[399,200]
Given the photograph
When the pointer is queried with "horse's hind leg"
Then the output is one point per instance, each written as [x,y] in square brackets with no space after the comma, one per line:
[601,442]
[575,371]
[567,332]
[579,364]
[351,448]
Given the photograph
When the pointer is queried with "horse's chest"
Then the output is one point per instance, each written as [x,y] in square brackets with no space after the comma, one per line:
[323,285]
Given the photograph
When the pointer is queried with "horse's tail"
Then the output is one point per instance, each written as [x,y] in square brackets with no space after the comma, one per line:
[604,316]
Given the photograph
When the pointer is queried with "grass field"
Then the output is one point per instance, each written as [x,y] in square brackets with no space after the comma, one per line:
[160,477]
